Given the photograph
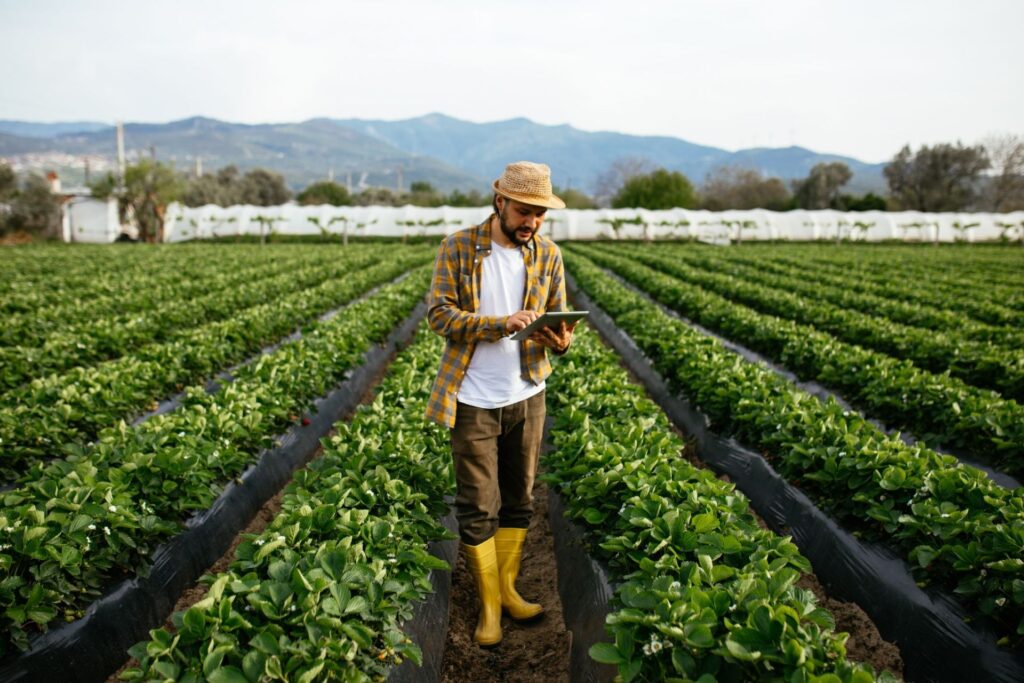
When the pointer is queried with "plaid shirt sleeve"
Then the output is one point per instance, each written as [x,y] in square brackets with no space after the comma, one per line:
[447,315]
[556,294]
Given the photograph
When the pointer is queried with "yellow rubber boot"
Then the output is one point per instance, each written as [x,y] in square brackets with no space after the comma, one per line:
[483,565]
[508,543]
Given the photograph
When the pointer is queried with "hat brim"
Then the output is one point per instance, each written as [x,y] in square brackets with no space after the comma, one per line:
[551,202]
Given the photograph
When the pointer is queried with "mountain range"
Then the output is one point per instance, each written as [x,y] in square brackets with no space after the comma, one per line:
[447,152]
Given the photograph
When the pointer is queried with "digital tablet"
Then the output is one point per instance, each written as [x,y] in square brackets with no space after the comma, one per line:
[550,319]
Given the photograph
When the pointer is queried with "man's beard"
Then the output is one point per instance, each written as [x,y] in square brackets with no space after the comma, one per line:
[509,232]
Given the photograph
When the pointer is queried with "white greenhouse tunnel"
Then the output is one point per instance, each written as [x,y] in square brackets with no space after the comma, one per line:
[722,227]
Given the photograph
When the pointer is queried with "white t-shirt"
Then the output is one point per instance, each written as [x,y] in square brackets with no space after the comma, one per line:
[494,377]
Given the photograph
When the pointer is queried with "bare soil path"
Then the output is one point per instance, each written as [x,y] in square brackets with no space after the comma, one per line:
[536,652]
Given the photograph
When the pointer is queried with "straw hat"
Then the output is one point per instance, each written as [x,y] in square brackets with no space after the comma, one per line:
[529,183]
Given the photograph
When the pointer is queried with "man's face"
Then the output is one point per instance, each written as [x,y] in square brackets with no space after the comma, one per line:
[520,222]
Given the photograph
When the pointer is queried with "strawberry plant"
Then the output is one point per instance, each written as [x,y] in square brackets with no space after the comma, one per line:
[704,593]
[76,523]
[322,593]
[956,528]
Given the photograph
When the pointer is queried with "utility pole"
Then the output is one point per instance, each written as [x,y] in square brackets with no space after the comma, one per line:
[199,167]
[86,170]
[399,176]
[330,174]
[120,155]
[152,151]
[348,182]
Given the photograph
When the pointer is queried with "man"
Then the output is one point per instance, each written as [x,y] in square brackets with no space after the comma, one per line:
[490,281]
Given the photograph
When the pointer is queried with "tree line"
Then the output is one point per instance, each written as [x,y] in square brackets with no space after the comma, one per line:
[943,177]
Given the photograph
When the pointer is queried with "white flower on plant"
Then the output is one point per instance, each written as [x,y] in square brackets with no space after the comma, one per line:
[647,649]
[9,529]
[259,541]
[112,508]
[92,527]
[656,646]
[106,530]
[675,586]
[281,537]
[1000,602]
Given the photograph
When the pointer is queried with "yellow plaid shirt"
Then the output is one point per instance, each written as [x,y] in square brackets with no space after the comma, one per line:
[455,298]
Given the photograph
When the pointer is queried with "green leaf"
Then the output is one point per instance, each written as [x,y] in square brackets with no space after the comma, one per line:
[311,673]
[253,663]
[194,621]
[361,635]
[704,522]
[699,635]
[227,674]
[168,669]
[606,653]
[212,662]
[630,669]
[739,652]
[41,614]
[782,580]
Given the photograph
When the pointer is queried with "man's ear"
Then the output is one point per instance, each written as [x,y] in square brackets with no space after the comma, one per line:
[500,202]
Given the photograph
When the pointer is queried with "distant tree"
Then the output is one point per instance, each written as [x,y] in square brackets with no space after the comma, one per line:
[261,187]
[31,208]
[820,189]
[375,196]
[149,186]
[866,202]
[574,199]
[939,178]
[422,193]
[471,198]
[611,180]
[734,187]
[325,192]
[8,182]
[223,188]
[661,189]
[1006,186]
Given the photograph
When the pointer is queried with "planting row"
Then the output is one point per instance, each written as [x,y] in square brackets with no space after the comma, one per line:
[841,292]
[981,364]
[957,529]
[37,277]
[704,593]
[936,408]
[97,340]
[77,523]
[56,415]
[979,267]
[164,283]
[321,593]
[925,285]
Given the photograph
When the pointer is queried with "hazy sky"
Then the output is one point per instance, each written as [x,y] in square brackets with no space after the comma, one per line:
[855,77]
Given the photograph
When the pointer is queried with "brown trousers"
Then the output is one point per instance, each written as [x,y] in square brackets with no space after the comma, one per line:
[495,452]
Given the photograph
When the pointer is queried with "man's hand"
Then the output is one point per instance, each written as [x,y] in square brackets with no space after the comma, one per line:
[556,340]
[519,320]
